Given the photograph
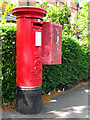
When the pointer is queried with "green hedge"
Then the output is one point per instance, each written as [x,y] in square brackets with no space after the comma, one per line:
[74,67]
[9,63]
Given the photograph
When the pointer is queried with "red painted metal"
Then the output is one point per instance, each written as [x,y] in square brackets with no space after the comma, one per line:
[28,46]
[52,43]
[27,11]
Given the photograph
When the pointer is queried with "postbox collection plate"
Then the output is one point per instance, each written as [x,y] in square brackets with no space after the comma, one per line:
[37,38]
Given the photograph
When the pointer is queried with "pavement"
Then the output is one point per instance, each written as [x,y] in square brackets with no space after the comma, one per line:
[71,104]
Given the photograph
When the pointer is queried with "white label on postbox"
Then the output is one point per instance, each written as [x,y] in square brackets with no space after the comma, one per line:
[38,38]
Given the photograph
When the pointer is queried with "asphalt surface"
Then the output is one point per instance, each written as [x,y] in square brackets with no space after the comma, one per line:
[70,104]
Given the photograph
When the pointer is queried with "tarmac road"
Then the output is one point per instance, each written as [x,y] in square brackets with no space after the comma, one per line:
[70,104]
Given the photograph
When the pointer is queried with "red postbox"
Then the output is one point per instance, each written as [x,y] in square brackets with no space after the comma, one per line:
[29,58]
[29,46]
[37,43]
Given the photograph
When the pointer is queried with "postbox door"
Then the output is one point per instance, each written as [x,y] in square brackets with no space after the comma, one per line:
[36,72]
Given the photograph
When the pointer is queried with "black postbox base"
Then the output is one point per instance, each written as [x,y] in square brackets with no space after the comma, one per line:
[29,100]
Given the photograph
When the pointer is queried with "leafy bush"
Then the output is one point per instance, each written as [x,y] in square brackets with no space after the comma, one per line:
[72,70]
[74,67]
[60,15]
[9,62]
[81,22]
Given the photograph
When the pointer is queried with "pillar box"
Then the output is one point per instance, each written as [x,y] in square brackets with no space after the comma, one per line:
[29,59]
[37,43]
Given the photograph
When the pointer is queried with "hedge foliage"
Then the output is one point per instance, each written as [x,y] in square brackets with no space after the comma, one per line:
[57,14]
[74,67]
[9,62]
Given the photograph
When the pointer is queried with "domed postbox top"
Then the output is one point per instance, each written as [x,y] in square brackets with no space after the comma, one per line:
[29,11]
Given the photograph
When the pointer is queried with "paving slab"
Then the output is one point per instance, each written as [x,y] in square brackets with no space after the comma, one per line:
[70,104]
